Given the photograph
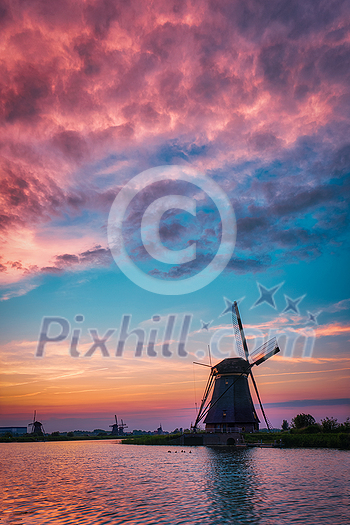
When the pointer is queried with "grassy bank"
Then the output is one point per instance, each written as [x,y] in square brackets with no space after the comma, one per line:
[303,439]
[321,440]
[339,440]
[29,438]
[150,440]
[263,437]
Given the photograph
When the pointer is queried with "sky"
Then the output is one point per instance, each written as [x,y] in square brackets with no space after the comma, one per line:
[241,109]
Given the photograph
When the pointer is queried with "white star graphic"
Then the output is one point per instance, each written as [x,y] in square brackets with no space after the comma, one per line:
[266,295]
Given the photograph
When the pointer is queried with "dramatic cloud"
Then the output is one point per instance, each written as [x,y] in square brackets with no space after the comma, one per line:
[91,93]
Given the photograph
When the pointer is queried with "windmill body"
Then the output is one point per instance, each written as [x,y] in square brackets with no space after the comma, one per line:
[114,431]
[232,406]
[37,427]
[115,427]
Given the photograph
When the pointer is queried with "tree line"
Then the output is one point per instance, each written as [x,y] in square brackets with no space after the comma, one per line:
[306,422]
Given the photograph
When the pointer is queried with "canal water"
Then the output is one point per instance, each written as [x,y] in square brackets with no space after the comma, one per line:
[104,482]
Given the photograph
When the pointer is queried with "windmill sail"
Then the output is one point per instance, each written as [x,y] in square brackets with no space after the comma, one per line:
[264,352]
[239,333]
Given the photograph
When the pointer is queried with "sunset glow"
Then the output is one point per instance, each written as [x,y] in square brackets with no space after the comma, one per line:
[253,95]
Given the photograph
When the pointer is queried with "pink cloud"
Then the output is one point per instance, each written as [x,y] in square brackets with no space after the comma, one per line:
[81,81]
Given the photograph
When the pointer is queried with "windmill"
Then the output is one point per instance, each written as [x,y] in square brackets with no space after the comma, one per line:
[37,427]
[118,428]
[121,427]
[231,408]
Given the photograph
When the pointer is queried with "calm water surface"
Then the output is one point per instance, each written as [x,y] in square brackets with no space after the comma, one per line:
[102,482]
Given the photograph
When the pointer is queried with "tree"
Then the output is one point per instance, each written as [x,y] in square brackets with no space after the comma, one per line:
[329,424]
[303,420]
[285,425]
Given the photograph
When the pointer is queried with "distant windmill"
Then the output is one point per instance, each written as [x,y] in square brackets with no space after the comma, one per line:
[121,428]
[114,427]
[231,408]
[37,427]
[118,428]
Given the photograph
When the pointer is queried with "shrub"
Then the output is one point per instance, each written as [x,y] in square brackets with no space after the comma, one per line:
[329,424]
[285,425]
[311,429]
[303,420]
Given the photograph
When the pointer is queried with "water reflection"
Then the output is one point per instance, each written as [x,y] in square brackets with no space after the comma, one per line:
[233,486]
[102,482]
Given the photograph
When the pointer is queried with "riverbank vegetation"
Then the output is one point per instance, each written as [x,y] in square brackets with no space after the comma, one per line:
[305,432]
[340,440]
[303,439]
[151,440]
[71,436]
[55,436]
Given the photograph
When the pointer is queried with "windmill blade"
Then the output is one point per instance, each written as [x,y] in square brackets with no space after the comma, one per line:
[241,342]
[34,417]
[208,388]
[209,355]
[116,421]
[202,364]
[260,403]
[264,352]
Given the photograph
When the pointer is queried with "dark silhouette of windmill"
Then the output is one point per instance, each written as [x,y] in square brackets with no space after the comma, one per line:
[231,408]
[118,428]
[37,427]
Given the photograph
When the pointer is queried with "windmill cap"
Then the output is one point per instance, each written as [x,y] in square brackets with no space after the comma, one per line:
[232,365]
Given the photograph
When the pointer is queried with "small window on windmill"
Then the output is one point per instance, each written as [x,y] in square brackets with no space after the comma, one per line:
[226,381]
[224,413]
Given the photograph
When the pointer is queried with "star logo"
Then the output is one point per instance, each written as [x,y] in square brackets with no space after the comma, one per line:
[229,305]
[313,317]
[205,326]
[266,295]
[292,305]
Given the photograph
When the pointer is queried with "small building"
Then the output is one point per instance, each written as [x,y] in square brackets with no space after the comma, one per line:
[15,431]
